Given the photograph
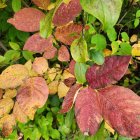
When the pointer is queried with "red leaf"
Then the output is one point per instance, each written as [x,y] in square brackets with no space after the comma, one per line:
[68,33]
[121,109]
[32,95]
[37,44]
[69,98]
[63,54]
[50,52]
[69,81]
[110,72]
[72,66]
[42,3]
[87,111]
[67,12]
[27,19]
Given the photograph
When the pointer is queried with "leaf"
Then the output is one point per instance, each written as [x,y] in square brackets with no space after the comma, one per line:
[125,36]
[46,25]
[53,87]
[106,11]
[136,22]
[7,123]
[67,12]
[100,42]
[16,5]
[120,107]
[14,46]
[80,71]
[62,90]
[6,106]
[110,72]
[69,98]
[27,19]
[10,93]
[37,44]
[51,74]
[40,65]
[69,81]
[13,76]
[32,95]
[79,50]
[72,66]
[43,4]
[112,34]
[66,74]
[28,55]
[87,111]
[136,50]
[68,33]
[63,54]
[50,52]
[18,113]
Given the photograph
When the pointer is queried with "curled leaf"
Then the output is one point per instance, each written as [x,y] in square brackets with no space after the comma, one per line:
[67,12]
[120,108]
[68,33]
[43,4]
[13,76]
[37,44]
[5,106]
[69,98]
[63,54]
[87,111]
[40,65]
[27,19]
[72,66]
[32,95]
[110,72]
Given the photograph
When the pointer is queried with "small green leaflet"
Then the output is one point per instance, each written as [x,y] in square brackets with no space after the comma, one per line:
[107,11]
[16,5]
[112,34]
[14,46]
[28,55]
[46,25]
[100,42]
[80,71]
[79,50]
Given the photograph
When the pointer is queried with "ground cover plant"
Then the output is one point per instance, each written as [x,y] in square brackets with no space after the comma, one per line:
[69,69]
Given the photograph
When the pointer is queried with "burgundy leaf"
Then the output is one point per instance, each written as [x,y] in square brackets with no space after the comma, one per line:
[27,19]
[37,44]
[69,98]
[42,3]
[63,54]
[68,33]
[50,52]
[87,111]
[121,109]
[72,66]
[32,95]
[67,12]
[110,72]
[69,81]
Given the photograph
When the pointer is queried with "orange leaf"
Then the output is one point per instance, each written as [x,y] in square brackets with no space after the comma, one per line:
[42,3]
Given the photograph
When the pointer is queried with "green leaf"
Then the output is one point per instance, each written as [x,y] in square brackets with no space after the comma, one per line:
[107,11]
[12,55]
[97,57]
[14,46]
[112,34]
[2,58]
[46,25]
[28,55]
[124,138]
[114,46]
[138,14]
[125,49]
[136,22]
[54,133]
[125,36]
[16,5]
[79,50]
[80,71]
[100,42]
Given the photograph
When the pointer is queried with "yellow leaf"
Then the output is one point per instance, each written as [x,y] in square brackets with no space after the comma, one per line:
[62,90]
[136,50]
[52,74]
[2,5]
[133,38]
[7,123]
[66,74]
[13,76]
[53,87]
[107,52]
[109,128]
[5,106]
[19,115]
[66,1]
[10,93]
